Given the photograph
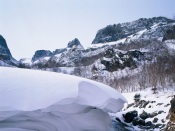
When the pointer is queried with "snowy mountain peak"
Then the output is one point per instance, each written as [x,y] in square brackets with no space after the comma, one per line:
[41,53]
[4,50]
[6,58]
[150,27]
[75,43]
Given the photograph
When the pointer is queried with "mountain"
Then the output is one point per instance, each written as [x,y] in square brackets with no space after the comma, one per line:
[147,46]
[75,44]
[130,57]
[6,58]
[41,53]
[140,29]
[146,43]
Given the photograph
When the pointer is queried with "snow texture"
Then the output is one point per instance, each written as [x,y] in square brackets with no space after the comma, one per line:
[46,101]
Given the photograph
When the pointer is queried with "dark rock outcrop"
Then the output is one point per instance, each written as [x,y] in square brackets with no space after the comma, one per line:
[6,58]
[41,53]
[4,50]
[117,60]
[169,34]
[75,44]
[171,116]
[129,116]
[144,115]
[59,51]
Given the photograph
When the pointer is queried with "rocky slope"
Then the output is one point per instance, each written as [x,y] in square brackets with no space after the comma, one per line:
[140,29]
[6,58]
[120,63]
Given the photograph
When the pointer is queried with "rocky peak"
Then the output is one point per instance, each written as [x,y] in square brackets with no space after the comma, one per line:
[75,44]
[59,51]
[4,50]
[41,53]
[123,30]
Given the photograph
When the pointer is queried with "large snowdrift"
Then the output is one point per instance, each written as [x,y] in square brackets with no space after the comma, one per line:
[46,101]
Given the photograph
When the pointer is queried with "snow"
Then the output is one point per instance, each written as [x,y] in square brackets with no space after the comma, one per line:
[26,60]
[170,44]
[163,97]
[58,55]
[46,58]
[108,43]
[47,101]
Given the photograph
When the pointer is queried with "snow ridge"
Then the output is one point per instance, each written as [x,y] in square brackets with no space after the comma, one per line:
[40,100]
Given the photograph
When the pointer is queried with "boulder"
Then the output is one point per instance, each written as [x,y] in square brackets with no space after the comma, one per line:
[155,120]
[144,115]
[129,116]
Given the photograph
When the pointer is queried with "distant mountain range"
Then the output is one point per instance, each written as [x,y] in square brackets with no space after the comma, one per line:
[116,52]
[137,30]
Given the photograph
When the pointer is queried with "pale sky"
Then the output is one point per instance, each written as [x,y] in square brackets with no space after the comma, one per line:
[30,25]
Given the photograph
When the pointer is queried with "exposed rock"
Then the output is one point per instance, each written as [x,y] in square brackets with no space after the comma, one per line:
[4,50]
[171,116]
[59,51]
[75,44]
[159,104]
[41,53]
[117,60]
[125,30]
[160,112]
[138,122]
[145,104]
[137,97]
[129,105]
[167,105]
[117,119]
[144,115]
[170,34]
[155,120]
[149,124]
[6,58]
[129,116]
[159,126]
[172,104]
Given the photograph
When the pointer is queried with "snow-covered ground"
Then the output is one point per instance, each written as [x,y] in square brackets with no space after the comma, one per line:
[47,101]
[157,103]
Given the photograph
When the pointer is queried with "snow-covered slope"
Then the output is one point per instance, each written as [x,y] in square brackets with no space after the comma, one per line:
[152,110]
[142,28]
[45,101]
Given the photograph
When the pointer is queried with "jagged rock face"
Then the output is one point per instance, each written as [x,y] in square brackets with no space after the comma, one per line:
[6,58]
[171,124]
[75,44]
[154,28]
[117,60]
[59,51]
[170,34]
[41,53]
[4,50]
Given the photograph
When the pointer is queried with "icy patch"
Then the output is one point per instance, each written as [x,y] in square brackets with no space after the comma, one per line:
[46,101]
[170,44]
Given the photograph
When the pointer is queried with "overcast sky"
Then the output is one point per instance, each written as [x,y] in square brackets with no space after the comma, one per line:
[30,25]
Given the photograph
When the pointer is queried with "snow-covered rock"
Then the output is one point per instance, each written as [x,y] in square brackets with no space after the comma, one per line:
[142,28]
[46,101]
[5,54]
[152,109]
